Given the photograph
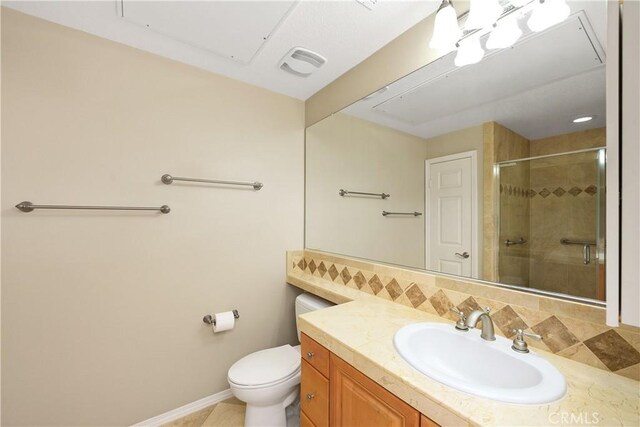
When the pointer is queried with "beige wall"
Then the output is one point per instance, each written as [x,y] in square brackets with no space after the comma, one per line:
[101,311]
[405,54]
[353,154]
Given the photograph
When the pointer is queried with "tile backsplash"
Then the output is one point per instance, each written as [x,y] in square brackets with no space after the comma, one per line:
[569,329]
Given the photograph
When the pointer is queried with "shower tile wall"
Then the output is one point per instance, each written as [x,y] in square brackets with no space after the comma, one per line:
[501,144]
[592,138]
[515,210]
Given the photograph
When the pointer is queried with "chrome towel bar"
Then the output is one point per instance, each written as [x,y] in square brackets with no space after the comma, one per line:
[360,193]
[520,241]
[566,241]
[168,179]
[29,207]
[385,213]
[586,247]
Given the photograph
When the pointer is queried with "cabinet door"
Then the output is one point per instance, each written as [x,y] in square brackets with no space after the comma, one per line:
[358,401]
[427,422]
[305,421]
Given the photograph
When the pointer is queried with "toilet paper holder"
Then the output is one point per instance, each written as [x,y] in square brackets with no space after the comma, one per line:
[211,320]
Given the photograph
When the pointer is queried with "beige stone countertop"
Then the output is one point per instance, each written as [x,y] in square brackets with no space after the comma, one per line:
[361,332]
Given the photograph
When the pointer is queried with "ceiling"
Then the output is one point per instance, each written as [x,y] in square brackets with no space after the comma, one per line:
[244,40]
[535,88]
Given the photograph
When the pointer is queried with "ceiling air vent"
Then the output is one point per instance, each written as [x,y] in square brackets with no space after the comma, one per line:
[302,62]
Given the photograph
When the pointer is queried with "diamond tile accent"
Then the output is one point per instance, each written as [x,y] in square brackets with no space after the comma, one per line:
[610,350]
[468,305]
[507,320]
[440,302]
[345,275]
[613,350]
[333,272]
[375,284]
[555,334]
[394,289]
[544,193]
[415,295]
[532,193]
[359,280]
[575,191]
[322,269]
[312,266]
[591,190]
[559,191]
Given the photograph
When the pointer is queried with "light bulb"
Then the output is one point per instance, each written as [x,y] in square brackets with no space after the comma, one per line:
[446,31]
[547,14]
[505,34]
[469,52]
[483,13]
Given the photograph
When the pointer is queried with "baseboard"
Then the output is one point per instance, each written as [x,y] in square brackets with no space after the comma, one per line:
[185,410]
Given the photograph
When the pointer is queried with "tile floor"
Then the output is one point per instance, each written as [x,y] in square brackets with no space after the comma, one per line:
[229,413]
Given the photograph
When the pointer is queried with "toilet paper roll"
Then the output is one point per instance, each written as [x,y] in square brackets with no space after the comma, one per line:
[224,321]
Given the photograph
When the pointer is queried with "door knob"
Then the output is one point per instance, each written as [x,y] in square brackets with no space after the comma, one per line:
[464,255]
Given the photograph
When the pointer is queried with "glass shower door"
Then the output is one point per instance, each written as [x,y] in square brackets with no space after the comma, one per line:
[551,223]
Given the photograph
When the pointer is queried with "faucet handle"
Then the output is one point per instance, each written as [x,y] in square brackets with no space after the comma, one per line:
[519,343]
[461,323]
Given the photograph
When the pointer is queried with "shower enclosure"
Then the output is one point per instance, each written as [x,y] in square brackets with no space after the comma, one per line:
[551,223]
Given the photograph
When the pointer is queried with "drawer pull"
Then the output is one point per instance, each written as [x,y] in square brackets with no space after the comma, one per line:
[310,355]
[310,396]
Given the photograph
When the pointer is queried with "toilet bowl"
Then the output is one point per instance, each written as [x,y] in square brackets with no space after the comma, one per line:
[269,380]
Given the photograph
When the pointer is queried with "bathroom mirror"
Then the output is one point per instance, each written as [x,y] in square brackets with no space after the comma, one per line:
[493,170]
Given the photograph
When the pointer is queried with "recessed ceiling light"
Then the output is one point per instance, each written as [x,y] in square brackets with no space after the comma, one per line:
[582,119]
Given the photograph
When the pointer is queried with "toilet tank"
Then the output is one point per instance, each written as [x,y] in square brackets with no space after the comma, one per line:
[306,303]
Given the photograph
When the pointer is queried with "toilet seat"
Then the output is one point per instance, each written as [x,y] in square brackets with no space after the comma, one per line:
[265,368]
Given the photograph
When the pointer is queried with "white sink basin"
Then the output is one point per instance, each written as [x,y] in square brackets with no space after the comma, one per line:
[468,363]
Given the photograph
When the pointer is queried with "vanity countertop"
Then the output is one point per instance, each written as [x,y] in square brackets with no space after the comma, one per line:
[360,330]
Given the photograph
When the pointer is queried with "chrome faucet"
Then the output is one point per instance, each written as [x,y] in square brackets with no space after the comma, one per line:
[487,324]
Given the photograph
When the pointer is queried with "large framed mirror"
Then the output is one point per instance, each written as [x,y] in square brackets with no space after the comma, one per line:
[493,170]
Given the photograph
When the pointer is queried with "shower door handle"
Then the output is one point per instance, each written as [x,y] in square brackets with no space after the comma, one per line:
[464,255]
[586,253]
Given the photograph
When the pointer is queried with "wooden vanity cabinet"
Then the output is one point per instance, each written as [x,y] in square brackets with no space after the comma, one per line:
[334,393]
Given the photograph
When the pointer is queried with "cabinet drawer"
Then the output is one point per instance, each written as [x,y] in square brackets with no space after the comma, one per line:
[314,395]
[315,354]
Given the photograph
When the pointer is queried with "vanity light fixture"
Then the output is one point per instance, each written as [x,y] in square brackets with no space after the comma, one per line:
[505,33]
[469,52]
[547,14]
[483,14]
[497,18]
[446,31]
[583,119]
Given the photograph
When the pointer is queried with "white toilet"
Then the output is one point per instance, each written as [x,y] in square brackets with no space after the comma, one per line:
[269,380]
